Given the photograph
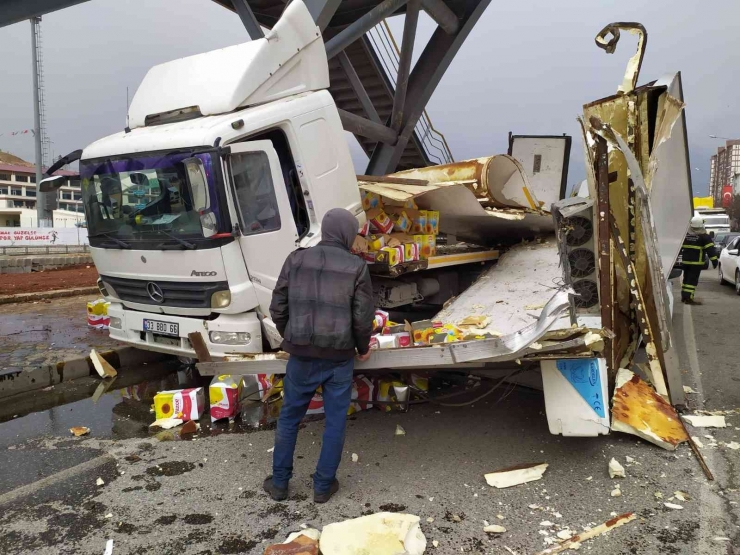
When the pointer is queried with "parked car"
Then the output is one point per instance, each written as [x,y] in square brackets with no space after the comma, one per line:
[728,269]
[721,240]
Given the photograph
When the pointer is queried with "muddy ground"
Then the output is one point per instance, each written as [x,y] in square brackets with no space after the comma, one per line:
[49,280]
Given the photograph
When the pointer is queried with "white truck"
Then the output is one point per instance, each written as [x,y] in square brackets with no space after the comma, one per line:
[230,160]
[715,219]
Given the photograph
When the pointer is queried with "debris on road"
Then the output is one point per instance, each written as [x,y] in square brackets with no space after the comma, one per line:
[108,548]
[190,427]
[435,543]
[697,442]
[494,529]
[616,492]
[564,534]
[704,421]
[102,366]
[184,404]
[355,457]
[516,475]
[687,389]
[224,394]
[166,423]
[681,496]
[673,506]
[734,445]
[99,482]
[305,542]
[639,410]
[379,534]
[400,431]
[80,431]
[616,470]
[575,541]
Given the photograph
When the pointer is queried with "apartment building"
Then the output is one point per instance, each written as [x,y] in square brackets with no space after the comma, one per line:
[724,173]
[18,195]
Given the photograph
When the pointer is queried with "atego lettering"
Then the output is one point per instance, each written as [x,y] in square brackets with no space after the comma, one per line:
[202,274]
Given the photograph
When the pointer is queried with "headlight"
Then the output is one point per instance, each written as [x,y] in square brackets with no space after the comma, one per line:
[115,323]
[230,337]
[221,299]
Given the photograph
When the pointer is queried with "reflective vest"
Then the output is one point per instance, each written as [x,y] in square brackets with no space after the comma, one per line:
[694,247]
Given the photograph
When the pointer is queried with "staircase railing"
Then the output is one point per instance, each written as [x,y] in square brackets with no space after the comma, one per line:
[432,141]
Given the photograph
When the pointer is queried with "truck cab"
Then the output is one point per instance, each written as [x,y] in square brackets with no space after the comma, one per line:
[229,162]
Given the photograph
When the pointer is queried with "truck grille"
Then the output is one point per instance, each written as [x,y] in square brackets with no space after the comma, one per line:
[174,293]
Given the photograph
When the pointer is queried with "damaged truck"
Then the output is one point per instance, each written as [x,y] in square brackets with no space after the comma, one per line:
[193,208]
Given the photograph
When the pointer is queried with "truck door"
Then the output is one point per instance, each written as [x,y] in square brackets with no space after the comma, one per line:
[269,233]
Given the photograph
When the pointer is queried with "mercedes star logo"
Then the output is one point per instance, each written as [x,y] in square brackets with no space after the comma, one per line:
[155,292]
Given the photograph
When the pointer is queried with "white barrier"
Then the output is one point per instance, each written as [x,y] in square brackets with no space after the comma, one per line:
[36,237]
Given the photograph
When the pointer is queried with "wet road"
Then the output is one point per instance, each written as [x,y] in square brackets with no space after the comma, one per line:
[46,332]
[203,494]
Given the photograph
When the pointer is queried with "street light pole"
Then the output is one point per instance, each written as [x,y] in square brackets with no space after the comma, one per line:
[43,217]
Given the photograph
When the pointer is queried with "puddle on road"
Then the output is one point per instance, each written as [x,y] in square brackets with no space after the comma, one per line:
[121,413]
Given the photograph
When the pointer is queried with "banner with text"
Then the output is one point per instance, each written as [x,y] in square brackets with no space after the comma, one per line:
[46,237]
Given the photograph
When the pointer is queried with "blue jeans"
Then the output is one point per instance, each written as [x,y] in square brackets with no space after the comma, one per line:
[302,378]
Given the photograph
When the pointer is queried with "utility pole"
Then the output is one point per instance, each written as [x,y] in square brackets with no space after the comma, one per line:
[45,217]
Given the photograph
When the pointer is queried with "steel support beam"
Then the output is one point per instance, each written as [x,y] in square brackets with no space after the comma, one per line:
[355,30]
[404,63]
[442,14]
[358,88]
[322,11]
[13,11]
[241,7]
[366,128]
[428,71]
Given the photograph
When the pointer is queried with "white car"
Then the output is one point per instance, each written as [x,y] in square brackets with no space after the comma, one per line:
[729,267]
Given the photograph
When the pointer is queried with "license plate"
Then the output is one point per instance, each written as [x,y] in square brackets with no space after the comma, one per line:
[163,328]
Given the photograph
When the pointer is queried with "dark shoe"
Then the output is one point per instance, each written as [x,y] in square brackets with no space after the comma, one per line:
[693,301]
[324,497]
[277,494]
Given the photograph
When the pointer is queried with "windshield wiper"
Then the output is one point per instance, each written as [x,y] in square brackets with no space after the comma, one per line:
[183,242]
[122,244]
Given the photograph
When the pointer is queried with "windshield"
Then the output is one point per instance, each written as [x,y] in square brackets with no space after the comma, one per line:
[155,200]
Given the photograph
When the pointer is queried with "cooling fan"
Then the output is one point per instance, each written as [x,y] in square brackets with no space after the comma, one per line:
[587,293]
[580,230]
[582,262]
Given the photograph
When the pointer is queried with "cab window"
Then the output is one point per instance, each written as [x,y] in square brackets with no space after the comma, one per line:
[255,192]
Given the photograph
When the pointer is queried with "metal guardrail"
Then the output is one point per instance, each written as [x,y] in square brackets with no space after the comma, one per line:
[59,249]
[433,142]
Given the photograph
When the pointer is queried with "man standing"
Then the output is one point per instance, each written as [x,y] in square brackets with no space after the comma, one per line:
[323,308]
[697,247]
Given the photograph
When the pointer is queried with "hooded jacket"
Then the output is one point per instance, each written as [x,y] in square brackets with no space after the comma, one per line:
[322,304]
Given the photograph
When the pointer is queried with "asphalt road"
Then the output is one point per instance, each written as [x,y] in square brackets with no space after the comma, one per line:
[204,495]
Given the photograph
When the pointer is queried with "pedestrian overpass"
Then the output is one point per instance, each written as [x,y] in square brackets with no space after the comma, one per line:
[380,96]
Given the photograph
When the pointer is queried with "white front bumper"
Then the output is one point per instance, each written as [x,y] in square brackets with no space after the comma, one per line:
[132,332]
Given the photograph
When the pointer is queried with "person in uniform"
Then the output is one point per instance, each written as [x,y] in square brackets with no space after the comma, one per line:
[697,248]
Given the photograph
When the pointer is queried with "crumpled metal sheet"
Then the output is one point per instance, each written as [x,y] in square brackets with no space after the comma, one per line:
[634,64]
[638,410]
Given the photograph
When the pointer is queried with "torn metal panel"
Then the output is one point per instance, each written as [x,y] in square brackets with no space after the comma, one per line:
[499,181]
[510,347]
[462,214]
[634,64]
[669,174]
[522,278]
[638,410]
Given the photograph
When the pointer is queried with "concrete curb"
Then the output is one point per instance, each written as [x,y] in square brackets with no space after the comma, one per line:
[31,379]
[58,294]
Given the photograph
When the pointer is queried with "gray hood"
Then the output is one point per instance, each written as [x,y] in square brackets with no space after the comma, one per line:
[340,227]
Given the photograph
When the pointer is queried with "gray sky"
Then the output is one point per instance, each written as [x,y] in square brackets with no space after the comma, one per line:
[527,67]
